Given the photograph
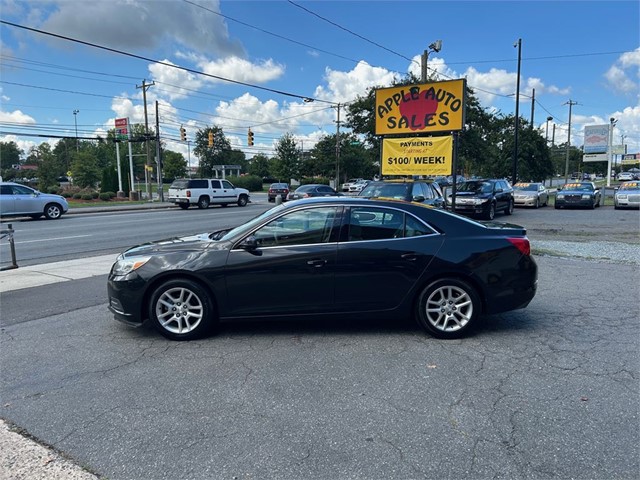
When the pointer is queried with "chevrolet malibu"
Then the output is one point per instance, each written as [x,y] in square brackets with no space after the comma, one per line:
[329,257]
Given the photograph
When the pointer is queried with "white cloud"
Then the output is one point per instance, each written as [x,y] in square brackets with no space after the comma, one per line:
[241,70]
[618,75]
[174,83]
[140,24]
[347,86]
[16,117]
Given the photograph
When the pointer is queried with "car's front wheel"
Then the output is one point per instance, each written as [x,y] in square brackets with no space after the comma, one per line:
[491,212]
[181,310]
[509,209]
[242,201]
[53,211]
[448,308]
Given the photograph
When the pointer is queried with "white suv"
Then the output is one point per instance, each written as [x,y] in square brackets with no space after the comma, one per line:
[206,191]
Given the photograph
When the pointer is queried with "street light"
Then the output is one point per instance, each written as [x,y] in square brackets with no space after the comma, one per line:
[514,175]
[75,120]
[546,137]
[434,47]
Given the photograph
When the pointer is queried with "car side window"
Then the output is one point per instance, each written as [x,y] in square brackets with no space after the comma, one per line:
[325,189]
[227,184]
[375,224]
[20,190]
[302,227]
[6,190]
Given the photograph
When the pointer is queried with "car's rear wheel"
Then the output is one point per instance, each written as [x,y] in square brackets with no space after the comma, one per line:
[242,201]
[203,202]
[181,309]
[184,206]
[448,308]
[537,203]
[52,211]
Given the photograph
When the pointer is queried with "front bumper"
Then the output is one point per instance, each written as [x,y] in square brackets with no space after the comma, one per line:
[574,202]
[524,201]
[126,296]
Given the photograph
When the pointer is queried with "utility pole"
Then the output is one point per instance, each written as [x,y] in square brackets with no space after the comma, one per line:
[338,150]
[566,163]
[514,175]
[159,156]
[144,88]
[533,104]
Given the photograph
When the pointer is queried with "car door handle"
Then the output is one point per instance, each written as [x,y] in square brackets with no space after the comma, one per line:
[411,256]
[317,263]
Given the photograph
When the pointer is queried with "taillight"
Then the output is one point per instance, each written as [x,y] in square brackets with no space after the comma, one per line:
[521,244]
[271,190]
[188,193]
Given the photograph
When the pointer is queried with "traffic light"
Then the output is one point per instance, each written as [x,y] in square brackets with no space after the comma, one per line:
[210,138]
[250,138]
[183,134]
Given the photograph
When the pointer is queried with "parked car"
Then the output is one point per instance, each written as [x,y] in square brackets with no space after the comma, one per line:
[356,188]
[578,194]
[278,190]
[328,257]
[345,186]
[312,190]
[419,191]
[483,198]
[625,176]
[530,195]
[627,195]
[18,200]
[203,192]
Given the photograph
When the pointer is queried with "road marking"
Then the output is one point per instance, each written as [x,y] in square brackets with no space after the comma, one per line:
[50,239]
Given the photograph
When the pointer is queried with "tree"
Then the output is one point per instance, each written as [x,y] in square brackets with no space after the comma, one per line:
[10,155]
[84,170]
[173,165]
[287,165]
[210,156]
[49,167]
[259,166]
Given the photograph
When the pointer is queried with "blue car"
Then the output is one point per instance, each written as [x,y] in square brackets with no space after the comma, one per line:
[578,194]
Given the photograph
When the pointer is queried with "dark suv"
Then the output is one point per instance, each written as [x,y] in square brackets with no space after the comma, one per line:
[407,190]
[483,198]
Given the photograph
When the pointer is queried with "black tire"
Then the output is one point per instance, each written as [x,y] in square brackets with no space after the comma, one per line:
[181,310]
[556,207]
[52,211]
[448,308]
[184,206]
[616,207]
[537,204]
[203,202]
[593,205]
[490,214]
[243,200]
[509,209]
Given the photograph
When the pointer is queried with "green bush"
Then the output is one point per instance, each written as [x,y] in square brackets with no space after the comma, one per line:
[87,196]
[94,195]
[253,183]
[105,196]
[77,195]
[111,194]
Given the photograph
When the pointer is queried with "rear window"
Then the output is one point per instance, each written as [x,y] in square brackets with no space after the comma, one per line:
[180,183]
[399,191]
[279,185]
[190,183]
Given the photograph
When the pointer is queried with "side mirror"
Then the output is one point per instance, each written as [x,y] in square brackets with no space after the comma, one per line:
[249,243]
[418,198]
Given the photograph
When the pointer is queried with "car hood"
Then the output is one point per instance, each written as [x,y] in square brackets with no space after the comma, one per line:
[175,244]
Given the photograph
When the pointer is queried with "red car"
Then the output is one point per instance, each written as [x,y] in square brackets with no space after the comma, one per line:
[278,190]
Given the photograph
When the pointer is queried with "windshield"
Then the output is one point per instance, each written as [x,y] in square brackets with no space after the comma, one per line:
[527,187]
[578,186]
[387,190]
[246,227]
[476,187]
[630,186]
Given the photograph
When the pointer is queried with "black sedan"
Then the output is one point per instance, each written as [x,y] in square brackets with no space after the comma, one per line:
[312,190]
[329,257]
[578,194]
[483,198]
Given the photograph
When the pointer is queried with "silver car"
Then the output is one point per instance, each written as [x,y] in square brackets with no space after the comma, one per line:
[18,200]
[627,195]
[530,195]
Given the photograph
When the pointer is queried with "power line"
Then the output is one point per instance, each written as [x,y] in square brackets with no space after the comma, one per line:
[147,59]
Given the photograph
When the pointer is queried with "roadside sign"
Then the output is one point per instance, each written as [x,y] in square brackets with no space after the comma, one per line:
[417,156]
[122,128]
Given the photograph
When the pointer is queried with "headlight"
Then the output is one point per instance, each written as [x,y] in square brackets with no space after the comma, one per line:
[561,196]
[622,197]
[586,196]
[124,266]
[478,201]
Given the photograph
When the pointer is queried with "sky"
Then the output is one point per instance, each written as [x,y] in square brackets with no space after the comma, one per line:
[282,67]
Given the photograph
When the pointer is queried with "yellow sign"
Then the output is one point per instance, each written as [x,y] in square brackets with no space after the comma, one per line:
[417,156]
[424,108]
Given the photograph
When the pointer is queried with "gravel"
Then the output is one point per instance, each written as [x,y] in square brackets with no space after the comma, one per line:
[609,252]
